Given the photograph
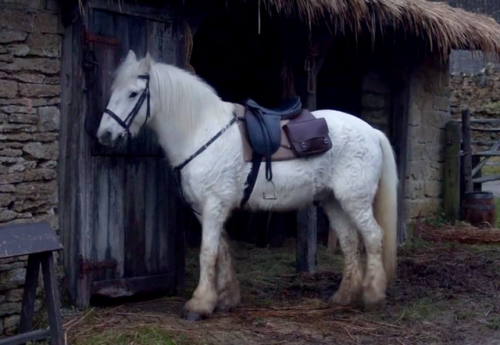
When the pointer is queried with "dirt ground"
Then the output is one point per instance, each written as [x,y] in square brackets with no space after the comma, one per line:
[444,294]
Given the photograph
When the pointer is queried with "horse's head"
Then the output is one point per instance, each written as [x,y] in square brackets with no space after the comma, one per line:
[129,107]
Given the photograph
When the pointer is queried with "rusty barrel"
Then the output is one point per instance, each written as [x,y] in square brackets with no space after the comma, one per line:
[479,208]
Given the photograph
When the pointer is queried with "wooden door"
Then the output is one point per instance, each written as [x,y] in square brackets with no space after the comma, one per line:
[130,241]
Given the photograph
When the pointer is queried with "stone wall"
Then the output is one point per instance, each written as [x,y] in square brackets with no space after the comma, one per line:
[30,52]
[376,102]
[480,92]
[429,111]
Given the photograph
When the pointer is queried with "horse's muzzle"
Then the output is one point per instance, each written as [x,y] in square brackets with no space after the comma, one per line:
[106,138]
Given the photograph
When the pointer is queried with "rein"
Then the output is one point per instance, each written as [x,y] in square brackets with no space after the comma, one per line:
[130,118]
[177,169]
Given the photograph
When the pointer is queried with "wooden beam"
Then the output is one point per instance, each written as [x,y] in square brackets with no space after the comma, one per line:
[487,153]
[488,178]
[306,82]
[451,201]
[467,150]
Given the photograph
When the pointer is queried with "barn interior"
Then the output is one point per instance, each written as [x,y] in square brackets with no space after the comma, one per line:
[247,52]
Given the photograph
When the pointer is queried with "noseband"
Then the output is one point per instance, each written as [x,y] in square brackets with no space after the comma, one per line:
[130,118]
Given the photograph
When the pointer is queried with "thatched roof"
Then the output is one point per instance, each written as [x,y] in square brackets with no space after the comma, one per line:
[443,26]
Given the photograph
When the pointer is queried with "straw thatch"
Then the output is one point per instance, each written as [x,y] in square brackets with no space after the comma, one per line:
[442,26]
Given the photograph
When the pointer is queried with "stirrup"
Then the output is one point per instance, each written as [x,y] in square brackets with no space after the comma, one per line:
[273,197]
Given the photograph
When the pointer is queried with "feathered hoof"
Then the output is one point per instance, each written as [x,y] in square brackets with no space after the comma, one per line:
[193,315]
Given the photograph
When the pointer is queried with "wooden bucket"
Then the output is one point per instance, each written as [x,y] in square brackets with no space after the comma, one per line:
[479,208]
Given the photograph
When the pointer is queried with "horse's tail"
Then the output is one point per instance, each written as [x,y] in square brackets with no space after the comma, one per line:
[386,207]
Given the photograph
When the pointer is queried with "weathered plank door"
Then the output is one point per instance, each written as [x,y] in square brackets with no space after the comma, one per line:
[128,240]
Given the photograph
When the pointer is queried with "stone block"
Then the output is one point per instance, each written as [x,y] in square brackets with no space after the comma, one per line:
[20,118]
[414,116]
[33,4]
[44,65]
[46,22]
[15,295]
[9,308]
[11,109]
[441,103]
[47,45]
[17,20]
[6,199]
[37,102]
[48,119]
[11,280]
[433,189]
[37,189]
[11,324]
[18,49]
[374,101]
[39,90]
[6,58]
[3,50]
[10,128]
[14,265]
[10,153]
[31,78]
[42,151]
[8,89]
[45,137]
[423,207]
[7,188]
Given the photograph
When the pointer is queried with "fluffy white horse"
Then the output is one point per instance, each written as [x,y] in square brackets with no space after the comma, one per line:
[355,181]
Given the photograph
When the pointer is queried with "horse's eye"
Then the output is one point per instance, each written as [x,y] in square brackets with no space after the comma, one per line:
[133,94]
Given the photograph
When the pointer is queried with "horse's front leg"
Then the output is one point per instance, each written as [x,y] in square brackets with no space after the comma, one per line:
[204,299]
[228,288]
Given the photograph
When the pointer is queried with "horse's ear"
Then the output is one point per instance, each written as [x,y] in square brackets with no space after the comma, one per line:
[146,63]
[131,56]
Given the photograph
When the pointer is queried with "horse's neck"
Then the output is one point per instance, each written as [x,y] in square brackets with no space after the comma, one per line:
[180,143]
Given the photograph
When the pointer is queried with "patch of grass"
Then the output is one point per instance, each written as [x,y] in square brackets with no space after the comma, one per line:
[142,336]
[494,324]
[490,170]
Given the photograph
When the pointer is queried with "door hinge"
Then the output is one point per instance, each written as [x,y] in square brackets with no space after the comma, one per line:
[90,37]
[84,266]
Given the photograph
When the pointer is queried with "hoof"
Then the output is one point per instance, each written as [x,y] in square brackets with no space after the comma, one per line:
[225,307]
[193,316]
[371,304]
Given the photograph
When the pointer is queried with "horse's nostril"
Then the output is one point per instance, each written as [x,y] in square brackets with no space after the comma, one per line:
[106,137]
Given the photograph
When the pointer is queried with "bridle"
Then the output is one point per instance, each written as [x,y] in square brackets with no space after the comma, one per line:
[130,118]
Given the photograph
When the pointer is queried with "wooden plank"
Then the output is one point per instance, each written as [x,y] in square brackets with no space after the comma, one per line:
[27,238]
[134,217]
[151,216]
[487,153]
[306,240]
[479,166]
[451,199]
[52,301]
[485,130]
[488,178]
[484,121]
[467,150]
[29,293]
[25,337]
[132,286]
[483,143]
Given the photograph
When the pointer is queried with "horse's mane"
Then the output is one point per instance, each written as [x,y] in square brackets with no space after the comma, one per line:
[182,96]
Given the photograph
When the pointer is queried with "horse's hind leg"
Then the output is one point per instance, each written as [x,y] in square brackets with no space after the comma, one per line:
[360,212]
[351,286]
[204,299]
[228,289]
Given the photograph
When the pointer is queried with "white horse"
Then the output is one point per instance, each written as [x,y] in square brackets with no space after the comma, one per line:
[355,181]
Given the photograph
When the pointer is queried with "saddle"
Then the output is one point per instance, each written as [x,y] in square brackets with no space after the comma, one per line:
[283,133]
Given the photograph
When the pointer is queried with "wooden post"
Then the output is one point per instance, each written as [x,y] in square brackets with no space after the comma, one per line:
[307,218]
[467,150]
[452,171]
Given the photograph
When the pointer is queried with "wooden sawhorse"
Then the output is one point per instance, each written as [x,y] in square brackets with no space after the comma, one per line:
[38,241]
